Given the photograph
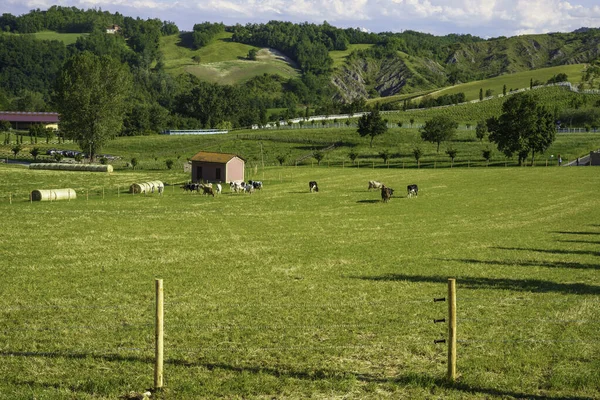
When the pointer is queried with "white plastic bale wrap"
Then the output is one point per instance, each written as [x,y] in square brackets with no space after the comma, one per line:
[53,195]
[146,187]
[73,167]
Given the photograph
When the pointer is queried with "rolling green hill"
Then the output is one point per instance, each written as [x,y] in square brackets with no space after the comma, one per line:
[223,61]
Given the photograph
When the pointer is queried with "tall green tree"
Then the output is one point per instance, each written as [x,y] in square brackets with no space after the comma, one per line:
[525,127]
[372,124]
[90,96]
[439,129]
[481,130]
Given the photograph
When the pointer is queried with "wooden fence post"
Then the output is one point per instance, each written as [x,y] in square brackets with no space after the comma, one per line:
[10,198]
[451,329]
[159,335]
[87,194]
[102,192]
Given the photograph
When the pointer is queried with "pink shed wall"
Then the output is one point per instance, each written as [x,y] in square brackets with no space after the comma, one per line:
[231,171]
[235,170]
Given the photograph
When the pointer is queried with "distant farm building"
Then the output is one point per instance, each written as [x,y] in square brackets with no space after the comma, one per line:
[217,167]
[195,132]
[24,120]
[113,29]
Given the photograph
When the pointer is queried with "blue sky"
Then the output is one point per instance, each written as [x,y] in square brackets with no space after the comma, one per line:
[478,17]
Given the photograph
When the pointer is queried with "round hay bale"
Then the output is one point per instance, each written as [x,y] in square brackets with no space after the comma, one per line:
[53,194]
[73,167]
[146,187]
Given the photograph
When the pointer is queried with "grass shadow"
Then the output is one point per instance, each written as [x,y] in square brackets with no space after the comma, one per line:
[551,251]
[576,233]
[409,379]
[519,285]
[546,264]
[579,241]
[368,201]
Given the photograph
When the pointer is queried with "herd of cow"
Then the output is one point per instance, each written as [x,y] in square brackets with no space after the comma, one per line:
[387,193]
[236,187]
[251,186]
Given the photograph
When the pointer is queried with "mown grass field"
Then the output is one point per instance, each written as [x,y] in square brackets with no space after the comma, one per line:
[222,61]
[288,294]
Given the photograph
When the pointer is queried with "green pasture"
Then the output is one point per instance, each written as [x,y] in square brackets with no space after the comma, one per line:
[289,294]
[554,98]
[222,61]
[339,56]
[297,144]
[66,38]
[518,80]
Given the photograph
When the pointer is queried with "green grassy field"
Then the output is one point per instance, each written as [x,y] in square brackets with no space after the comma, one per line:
[288,294]
[339,56]
[66,38]
[222,61]
[264,146]
[514,81]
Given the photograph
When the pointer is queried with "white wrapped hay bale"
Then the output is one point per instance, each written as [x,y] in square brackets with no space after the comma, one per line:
[53,195]
[73,167]
[146,187]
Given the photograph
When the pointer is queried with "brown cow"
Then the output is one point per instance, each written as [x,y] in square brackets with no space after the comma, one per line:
[208,190]
[386,193]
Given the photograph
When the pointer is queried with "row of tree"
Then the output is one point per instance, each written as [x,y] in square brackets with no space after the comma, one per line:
[525,128]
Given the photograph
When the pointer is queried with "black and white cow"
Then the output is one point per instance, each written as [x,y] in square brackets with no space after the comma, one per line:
[191,187]
[313,187]
[256,184]
[375,185]
[412,190]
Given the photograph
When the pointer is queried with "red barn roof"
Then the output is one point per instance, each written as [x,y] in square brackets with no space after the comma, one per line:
[20,116]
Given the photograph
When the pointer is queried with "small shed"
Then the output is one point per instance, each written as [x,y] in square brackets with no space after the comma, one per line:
[217,167]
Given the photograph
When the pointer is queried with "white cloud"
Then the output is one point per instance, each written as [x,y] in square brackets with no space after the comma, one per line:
[481,17]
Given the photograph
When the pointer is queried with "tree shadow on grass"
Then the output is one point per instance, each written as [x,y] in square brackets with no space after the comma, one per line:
[546,264]
[425,381]
[521,285]
[579,241]
[576,233]
[552,251]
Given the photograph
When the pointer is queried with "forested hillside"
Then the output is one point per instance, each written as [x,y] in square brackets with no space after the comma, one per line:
[173,93]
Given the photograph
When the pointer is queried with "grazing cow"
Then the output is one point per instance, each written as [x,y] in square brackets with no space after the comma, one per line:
[237,187]
[191,187]
[312,186]
[386,193]
[208,190]
[412,190]
[256,184]
[248,188]
[219,188]
[375,185]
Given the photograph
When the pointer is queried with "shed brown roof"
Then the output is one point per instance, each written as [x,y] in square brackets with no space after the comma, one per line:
[214,157]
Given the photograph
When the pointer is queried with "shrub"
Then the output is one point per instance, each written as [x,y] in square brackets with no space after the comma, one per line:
[169,164]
